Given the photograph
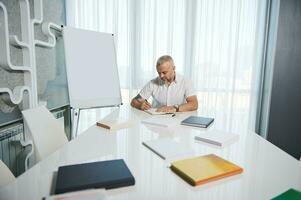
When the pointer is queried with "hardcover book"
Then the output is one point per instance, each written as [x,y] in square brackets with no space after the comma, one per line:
[203,169]
[103,174]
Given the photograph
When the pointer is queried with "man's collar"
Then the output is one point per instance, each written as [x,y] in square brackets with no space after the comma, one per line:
[176,78]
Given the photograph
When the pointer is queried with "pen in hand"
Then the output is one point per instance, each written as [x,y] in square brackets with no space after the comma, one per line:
[147,105]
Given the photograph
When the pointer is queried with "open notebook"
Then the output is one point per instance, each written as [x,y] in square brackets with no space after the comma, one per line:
[153,111]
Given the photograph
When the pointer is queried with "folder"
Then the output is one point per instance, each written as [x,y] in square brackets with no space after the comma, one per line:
[203,169]
[103,174]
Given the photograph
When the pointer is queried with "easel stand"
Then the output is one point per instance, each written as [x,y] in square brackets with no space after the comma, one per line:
[75,114]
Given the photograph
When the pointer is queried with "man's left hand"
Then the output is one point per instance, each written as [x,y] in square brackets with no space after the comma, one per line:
[166,109]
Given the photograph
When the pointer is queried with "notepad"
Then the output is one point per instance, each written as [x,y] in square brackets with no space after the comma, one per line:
[153,111]
[202,122]
[115,124]
[103,174]
[218,138]
[168,148]
[203,169]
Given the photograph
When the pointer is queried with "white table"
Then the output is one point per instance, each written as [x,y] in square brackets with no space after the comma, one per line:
[268,171]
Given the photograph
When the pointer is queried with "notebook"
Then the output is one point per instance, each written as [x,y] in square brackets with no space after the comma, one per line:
[115,124]
[153,111]
[162,121]
[203,169]
[218,138]
[289,194]
[103,174]
[168,149]
[202,122]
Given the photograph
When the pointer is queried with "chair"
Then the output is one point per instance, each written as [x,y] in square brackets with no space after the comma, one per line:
[46,132]
[5,174]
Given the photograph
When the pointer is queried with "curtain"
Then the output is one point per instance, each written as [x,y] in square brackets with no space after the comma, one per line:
[218,44]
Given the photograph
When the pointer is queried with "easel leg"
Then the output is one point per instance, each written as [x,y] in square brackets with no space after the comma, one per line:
[75,122]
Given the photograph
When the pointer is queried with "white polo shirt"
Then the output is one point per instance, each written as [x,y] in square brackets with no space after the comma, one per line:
[168,95]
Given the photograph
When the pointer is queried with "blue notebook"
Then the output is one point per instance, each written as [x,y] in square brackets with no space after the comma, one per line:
[202,122]
[104,174]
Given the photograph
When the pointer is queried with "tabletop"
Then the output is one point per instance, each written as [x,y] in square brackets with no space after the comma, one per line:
[268,171]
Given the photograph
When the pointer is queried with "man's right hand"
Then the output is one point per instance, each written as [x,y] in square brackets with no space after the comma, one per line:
[140,103]
[145,105]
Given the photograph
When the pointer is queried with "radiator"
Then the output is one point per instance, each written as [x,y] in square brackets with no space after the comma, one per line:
[10,148]
[11,151]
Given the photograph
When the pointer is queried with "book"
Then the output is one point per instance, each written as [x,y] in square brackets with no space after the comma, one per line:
[289,194]
[202,122]
[162,121]
[168,149]
[153,111]
[115,124]
[216,137]
[103,174]
[203,169]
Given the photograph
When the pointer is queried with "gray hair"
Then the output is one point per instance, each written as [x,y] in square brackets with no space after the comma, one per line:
[163,59]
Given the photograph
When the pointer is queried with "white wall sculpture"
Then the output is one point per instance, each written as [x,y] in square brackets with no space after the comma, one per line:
[27,44]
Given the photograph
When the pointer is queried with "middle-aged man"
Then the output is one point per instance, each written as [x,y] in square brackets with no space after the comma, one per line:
[170,91]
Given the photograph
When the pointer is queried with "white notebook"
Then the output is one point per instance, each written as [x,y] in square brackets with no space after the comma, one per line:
[218,138]
[115,124]
[152,111]
[163,121]
[168,148]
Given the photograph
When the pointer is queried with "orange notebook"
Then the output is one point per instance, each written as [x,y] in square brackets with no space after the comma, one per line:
[204,169]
